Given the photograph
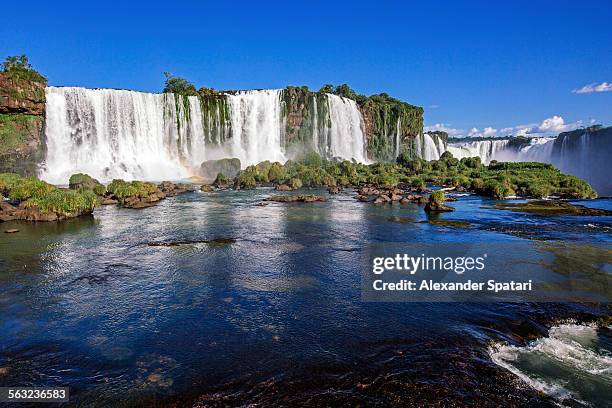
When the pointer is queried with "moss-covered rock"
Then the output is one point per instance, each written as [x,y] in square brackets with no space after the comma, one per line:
[552,208]
[35,200]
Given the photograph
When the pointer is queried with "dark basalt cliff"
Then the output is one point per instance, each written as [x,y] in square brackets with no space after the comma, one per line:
[22,117]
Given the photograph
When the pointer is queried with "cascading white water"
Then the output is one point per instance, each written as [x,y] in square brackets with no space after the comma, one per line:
[112,133]
[256,126]
[134,135]
[427,148]
[487,150]
[584,155]
[346,135]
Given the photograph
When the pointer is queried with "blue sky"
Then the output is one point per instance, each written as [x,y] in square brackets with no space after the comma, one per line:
[470,65]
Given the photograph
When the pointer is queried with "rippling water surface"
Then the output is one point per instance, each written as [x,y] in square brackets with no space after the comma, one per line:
[275,317]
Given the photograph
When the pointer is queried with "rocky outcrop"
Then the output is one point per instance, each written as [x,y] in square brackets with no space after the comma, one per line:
[296,198]
[21,96]
[23,212]
[22,117]
[210,169]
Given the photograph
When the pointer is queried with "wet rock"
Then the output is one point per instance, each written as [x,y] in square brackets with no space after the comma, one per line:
[228,167]
[404,201]
[396,197]
[215,242]
[296,198]
[433,206]
[283,187]
[422,200]
[450,223]
[552,208]
[11,231]
[333,189]
[363,198]
[382,199]
[109,201]
[207,188]
[171,190]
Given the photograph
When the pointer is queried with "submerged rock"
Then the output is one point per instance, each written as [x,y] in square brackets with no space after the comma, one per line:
[11,231]
[450,223]
[213,242]
[437,207]
[296,198]
[552,207]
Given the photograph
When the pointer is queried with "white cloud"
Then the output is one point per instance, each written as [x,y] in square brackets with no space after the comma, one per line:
[444,127]
[548,127]
[594,88]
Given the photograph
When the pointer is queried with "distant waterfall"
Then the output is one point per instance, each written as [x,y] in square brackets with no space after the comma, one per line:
[487,150]
[582,153]
[134,135]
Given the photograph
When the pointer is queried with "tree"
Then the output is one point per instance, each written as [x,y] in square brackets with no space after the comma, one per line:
[327,88]
[178,85]
[18,67]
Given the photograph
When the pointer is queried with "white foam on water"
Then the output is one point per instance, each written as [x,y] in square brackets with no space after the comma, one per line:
[560,365]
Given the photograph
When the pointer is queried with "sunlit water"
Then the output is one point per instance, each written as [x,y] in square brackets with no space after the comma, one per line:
[275,317]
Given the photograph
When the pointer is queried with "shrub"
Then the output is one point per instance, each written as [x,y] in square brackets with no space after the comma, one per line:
[65,202]
[19,68]
[246,180]
[437,197]
[276,173]
[28,187]
[221,179]
[123,189]
[295,183]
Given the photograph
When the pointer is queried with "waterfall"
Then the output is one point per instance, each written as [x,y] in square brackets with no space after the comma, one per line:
[111,133]
[582,153]
[427,148]
[256,126]
[487,150]
[346,137]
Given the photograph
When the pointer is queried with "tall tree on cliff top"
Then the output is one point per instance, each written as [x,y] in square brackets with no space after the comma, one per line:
[18,67]
[178,85]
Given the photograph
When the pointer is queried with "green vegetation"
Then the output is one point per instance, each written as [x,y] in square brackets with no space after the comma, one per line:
[178,85]
[221,179]
[33,192]
[123,189]
[18,68]
[438,197]
[498,180]
[550,207]
[15,129]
